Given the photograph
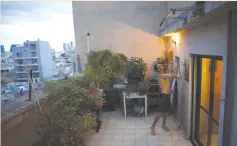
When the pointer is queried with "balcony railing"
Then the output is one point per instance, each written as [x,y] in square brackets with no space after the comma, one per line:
[25,72]
[20,64]
[32,64]
[28,57]
[17,58]
[21,78]
[31,57]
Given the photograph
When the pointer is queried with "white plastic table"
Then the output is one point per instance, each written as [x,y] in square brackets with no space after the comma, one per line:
[133,95]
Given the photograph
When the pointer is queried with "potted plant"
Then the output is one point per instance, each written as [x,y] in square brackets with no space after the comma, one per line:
[95,74]
[135,69]
[102,67]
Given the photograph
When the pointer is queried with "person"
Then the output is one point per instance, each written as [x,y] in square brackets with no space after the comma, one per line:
[164,104]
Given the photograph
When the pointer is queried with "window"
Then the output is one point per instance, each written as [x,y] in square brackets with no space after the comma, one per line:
[19,54]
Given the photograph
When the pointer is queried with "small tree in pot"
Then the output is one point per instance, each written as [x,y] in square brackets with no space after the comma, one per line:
[135,69]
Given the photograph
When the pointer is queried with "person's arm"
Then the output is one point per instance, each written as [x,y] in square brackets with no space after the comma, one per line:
[168,75]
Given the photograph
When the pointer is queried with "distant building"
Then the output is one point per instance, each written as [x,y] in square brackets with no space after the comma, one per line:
[2,50]
[6,61]
[53,54]
[68,47]
[35,56]
[65,47]
[72,45]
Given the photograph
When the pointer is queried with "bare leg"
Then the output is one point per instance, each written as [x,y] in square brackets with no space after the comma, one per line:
[158,116]
[165,115]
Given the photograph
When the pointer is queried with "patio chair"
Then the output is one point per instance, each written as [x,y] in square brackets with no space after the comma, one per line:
[153,93]
[110,97]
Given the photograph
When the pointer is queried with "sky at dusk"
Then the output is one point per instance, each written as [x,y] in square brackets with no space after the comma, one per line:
[48,21]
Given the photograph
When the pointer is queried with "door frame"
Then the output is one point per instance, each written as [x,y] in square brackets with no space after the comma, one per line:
[195,86]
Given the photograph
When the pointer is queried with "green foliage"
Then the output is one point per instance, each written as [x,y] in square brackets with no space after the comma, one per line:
[104,65]
[140,88]
[161,60]
[68,118]
[136,66]
[164,62]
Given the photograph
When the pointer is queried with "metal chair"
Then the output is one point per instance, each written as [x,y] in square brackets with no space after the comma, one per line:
[153,92]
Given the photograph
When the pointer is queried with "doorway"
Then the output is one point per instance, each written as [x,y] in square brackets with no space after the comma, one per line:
[208,79]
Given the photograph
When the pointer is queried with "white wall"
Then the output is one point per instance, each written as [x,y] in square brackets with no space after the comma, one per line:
[207,39]
[125,27]
[45,58]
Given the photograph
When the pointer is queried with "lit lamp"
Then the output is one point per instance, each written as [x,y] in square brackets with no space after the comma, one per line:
[175,39]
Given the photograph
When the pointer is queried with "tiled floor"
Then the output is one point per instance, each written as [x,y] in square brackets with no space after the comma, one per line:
[116,130]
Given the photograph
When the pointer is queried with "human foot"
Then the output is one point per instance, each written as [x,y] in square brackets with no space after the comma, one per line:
[153,131]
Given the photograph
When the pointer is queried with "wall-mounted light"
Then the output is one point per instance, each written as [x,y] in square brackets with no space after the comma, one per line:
[175,39]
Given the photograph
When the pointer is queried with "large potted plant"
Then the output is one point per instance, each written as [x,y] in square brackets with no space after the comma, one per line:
[135,70]
[102,67]
[94,72]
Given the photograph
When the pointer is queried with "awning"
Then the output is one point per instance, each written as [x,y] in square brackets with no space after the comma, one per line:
[212,10]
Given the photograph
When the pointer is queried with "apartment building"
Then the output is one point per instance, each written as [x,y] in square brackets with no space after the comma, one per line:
[200,37]
[68,47]
[2,50]
[35,56]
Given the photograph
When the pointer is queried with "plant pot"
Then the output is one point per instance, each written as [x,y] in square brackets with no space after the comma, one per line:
[97,94]
[99,103]
[133,80]
[110,96]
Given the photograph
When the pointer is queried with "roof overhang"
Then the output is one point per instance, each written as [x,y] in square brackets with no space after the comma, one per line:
[215,13]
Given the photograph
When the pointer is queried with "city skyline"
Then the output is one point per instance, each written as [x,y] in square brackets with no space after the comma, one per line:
[47,21]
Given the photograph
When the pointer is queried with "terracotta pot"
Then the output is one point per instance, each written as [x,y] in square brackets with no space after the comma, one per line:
[99,103]
[96,93]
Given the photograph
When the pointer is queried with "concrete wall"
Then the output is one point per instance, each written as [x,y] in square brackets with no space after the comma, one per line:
[20,129]
[46,62]
[125,27]
[230,126]
[207,39]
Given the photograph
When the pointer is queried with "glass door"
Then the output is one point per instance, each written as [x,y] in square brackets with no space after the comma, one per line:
[208,92]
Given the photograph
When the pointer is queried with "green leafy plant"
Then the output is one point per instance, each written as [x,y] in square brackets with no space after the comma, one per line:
[135,67]
[168,65]
[140,88]
[68,116]
[162,60]
[102,66]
